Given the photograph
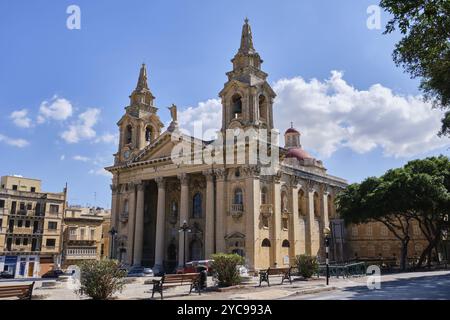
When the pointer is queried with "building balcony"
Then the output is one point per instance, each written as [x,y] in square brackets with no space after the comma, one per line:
[266,210]
[124,217]
[237,210]
[22,230]
[79,253]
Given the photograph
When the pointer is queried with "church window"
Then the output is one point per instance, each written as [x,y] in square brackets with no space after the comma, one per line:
[197,206]
[237,105]
[285,244]
[238,197]
[265,243]
[262,107]
[128,134]
[148,134]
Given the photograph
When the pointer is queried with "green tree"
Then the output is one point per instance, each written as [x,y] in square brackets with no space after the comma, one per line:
[419,191]
[424,50]
[307,265]
[101,279]
[226,268]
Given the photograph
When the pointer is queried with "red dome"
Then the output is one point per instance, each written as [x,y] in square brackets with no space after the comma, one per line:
[298,153]
[291,130]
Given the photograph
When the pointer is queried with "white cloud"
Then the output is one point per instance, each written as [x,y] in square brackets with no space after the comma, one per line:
[62,158]
[108,138]
[82,129]
[20,118]
[20,143]
[206,116]
[100,172]
[332,115]
[58,109]
[80,158]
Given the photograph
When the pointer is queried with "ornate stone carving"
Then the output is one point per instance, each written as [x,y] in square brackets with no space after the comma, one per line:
[184,179]
[114,188]
[220,173]
[252,171]
[131,185]
[209,174]
[140,185]
[161,182]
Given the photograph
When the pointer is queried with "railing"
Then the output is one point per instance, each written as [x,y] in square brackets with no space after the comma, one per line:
[266,210]
[343,270]
[87,253]
[237,210]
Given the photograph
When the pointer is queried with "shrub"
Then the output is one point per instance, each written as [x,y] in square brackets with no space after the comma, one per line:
[307,265]
[101,279]
[225,266]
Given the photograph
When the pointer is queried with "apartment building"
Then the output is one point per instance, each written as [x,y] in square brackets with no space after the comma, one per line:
[30,227]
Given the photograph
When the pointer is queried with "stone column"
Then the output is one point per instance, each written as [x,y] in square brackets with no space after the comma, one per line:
[131,220]
[158,268]
[294,230]
[139,229]
[209,216]
[310,222]
[184,212]
[276,222]
[252,206]
[325,214]
[220,210]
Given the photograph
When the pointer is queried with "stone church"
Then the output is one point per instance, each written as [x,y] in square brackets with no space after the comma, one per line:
[228,207]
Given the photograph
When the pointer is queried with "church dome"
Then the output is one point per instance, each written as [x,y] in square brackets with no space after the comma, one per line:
[298,153]
[291,130]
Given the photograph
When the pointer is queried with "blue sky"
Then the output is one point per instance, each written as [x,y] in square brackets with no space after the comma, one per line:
[187,46]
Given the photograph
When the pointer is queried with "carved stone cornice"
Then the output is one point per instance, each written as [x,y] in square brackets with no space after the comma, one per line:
[220,173]
[131,185]
[252,171]
[184,179]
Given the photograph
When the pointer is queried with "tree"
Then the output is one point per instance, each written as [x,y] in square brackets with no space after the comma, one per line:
[307,265]
[424,50]
[419,191]
[101,279]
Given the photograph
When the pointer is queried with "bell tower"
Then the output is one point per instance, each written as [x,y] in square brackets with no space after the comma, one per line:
[140,125]
[247,98]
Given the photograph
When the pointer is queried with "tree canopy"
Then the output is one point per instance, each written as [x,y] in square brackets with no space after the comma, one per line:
[424,50]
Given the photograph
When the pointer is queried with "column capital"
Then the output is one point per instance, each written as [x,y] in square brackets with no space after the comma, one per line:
[252,171]
[161,182]
[220,173]
[184,179]
[209,174]
[131,185]
[140,185]
[114,188]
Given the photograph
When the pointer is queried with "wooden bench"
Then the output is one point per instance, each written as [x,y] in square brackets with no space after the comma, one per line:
[285,273]
[175,280]
[23,292]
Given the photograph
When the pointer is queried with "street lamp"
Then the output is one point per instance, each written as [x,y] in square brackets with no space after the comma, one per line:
[184,228]
[326,233]
[113,233]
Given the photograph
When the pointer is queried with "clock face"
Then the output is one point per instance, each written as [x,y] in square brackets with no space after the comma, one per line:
[126,154]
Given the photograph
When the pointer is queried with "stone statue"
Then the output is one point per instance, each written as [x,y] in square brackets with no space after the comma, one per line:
[173,113]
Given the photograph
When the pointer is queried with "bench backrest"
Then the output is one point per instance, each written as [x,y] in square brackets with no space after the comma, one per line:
[184,278]
[276,271]
[20,291]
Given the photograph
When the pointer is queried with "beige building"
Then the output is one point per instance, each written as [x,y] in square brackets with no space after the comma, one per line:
[30,227]
[268,218]
[84,234]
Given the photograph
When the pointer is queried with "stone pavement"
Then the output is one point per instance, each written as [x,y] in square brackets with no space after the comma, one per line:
[137,290]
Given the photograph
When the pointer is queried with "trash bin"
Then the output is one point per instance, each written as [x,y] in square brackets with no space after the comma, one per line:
[203,276]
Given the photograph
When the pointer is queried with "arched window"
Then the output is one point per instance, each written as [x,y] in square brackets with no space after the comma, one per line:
[129,134]
[238,196]
[148,134]
[237,105]
[196,250]
[197,205]
[316,205]
[262,108]
[285,244]
[264,195]
[265,243]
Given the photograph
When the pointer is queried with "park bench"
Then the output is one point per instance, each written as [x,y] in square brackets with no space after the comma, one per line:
[23,291]
[285,273]
[175,280]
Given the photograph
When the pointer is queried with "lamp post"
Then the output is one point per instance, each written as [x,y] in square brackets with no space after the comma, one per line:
[326,233]
[184,228]
[113,233]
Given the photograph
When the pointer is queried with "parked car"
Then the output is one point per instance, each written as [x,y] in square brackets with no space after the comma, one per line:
[140,272]
[6,275]
[54,273]
[196,266]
